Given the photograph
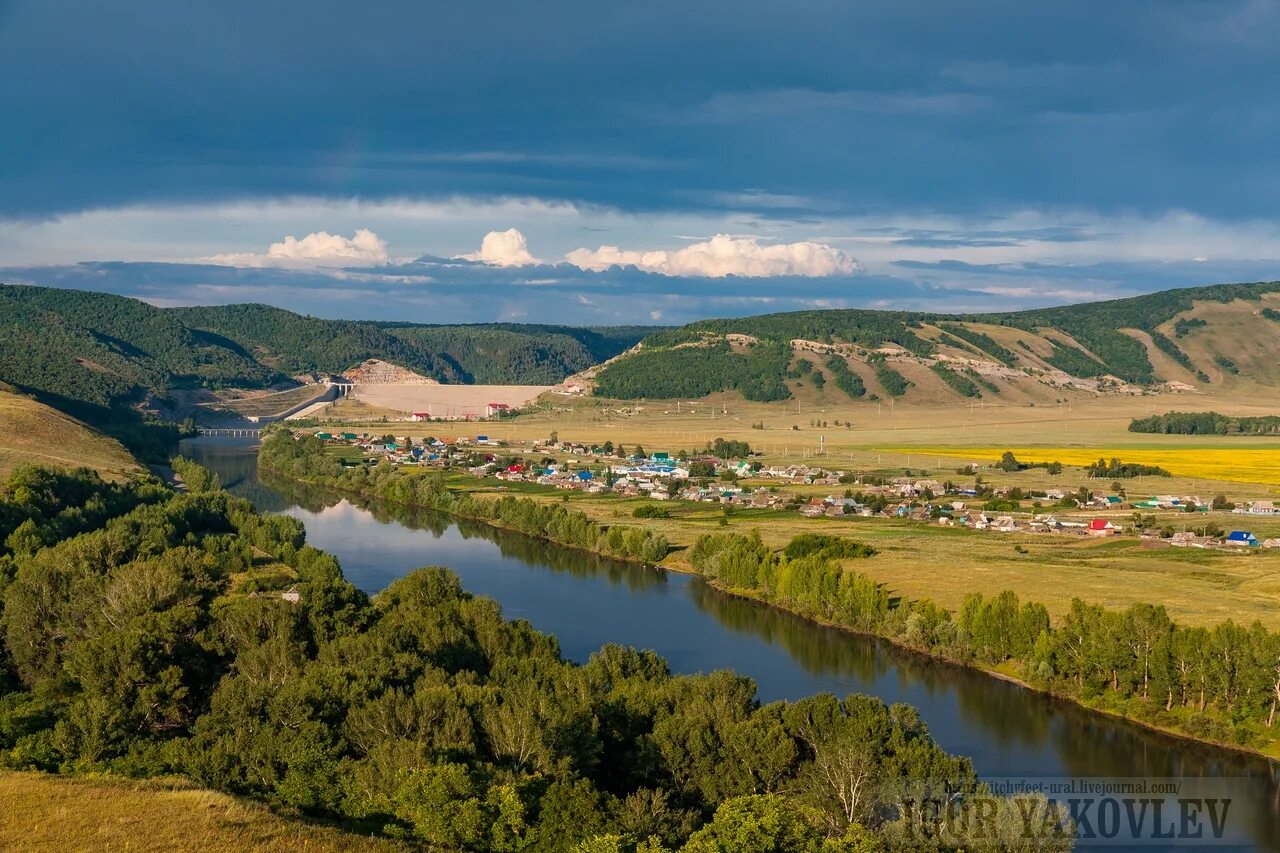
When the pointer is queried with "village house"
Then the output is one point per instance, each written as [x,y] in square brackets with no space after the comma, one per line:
[1241,539]
[1005,524]
[1101,527]
[1259,508]
[1187,539]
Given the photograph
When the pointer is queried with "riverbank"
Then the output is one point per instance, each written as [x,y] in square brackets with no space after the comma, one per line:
[1271,751]
[646,550]
[1006,670]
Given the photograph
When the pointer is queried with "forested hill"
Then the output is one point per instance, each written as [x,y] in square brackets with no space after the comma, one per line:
[486,353]
[293,344]
[504,353]
[1194,337]
[93,353]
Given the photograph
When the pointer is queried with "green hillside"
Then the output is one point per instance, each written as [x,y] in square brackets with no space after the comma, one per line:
[521,354]
[294,344]
[1171,336]
[105,359]
[98,350]
[490,354]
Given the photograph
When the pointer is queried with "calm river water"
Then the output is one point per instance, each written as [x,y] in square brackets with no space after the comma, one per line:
[587,601]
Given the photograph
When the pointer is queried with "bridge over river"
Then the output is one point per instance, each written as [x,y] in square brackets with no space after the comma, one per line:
[232,432]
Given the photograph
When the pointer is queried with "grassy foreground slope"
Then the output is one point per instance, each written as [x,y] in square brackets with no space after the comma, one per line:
[31,432]
[43,812]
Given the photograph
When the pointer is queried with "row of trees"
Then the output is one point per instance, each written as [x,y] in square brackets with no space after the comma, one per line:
[727,448]
[1169,348]
[891,380]
[984,342]
[846,380]
[1205,423]
[1114,469]
[962,385]
[1220,683]
[127,647]
[304,458]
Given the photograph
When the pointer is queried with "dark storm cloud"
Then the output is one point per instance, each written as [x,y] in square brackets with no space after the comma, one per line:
[848,106]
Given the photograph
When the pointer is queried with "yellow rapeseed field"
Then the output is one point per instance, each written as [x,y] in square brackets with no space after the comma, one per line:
[1244,465]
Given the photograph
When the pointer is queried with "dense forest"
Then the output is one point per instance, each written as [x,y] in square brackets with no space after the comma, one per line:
[146,632]
[294,344]
[521,354]
[1220,683]
[69,346]
[696,370]
[1206,423]
[492,353]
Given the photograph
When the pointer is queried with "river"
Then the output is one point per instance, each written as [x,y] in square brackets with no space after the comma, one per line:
[586,601]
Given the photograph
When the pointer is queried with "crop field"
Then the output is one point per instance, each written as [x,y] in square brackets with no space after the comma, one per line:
[1240,465]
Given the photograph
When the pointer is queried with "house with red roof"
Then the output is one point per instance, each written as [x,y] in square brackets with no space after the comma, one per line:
[1102,527]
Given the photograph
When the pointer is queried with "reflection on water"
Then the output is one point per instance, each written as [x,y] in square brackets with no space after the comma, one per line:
[586,601]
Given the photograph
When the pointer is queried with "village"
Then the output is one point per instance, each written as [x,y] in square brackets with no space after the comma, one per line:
[730,476]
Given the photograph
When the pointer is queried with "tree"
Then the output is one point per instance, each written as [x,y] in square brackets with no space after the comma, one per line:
[756,824]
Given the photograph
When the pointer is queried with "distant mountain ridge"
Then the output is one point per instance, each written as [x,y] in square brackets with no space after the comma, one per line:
[1187,338]
[95,355]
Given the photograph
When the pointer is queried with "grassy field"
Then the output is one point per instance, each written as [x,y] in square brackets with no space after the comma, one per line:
[31,432]
[44,812]
[919,560]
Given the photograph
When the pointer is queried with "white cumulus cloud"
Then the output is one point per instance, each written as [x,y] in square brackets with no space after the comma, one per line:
[724,255]
[503,249]
[319,248]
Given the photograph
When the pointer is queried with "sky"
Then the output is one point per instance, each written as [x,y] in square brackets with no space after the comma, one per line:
[653,162]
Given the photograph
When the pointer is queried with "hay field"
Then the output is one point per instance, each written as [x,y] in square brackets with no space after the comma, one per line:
[444,401]
[43,812]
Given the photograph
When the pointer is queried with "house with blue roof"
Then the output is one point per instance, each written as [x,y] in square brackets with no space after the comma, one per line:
[1242,538]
